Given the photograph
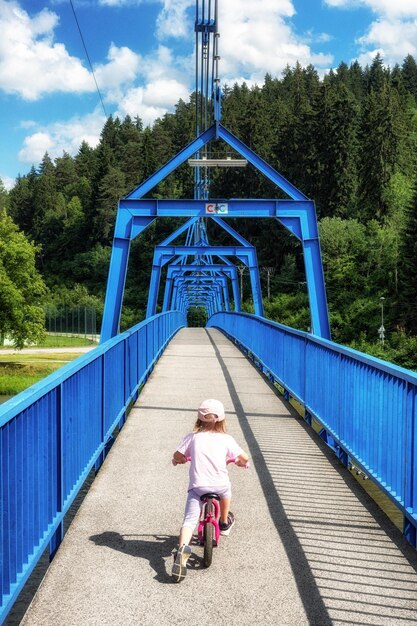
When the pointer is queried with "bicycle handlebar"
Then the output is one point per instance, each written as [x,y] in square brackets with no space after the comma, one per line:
[228,462]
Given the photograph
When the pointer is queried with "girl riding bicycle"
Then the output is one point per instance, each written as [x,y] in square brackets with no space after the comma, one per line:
[208,448]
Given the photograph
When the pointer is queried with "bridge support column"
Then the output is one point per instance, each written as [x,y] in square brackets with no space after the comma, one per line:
[256,291]
[167,294]
[236,293]
[126,229]
[316,289]
[153,290]
[115,289]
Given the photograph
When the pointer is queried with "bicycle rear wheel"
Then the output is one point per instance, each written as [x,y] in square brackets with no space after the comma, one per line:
[208,536]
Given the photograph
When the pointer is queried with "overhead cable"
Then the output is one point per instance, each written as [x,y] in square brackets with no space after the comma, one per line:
[88,57]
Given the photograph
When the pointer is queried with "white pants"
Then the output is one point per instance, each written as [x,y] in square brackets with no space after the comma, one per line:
[193,504]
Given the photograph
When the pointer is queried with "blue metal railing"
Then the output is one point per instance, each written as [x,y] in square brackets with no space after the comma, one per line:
[367,407]
[52,435]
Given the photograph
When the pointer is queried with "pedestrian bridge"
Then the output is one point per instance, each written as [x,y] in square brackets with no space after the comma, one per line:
[309,545]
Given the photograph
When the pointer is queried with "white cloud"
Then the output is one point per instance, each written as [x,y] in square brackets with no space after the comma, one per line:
[152,101]
[163,81]
[324,37]
[27,124]
[35,147]
[392,39]
[257,37]
[122,67]
[391,8]
[58,137]
[122,3]
[173,20]
[7,182]
[393,34]
[30,63]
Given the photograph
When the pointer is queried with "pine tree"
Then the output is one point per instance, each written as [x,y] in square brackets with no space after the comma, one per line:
[357,84]
[337,127]
[130,163]
[112,187]
[21,202]
[382,146]
[376,75]
[407,292]
[86,161]
[409,74]
[65,173]
[44,204]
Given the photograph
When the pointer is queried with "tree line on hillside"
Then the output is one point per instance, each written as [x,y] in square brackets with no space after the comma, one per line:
[348,141]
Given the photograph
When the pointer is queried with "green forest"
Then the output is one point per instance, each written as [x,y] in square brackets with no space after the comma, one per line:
[347,140]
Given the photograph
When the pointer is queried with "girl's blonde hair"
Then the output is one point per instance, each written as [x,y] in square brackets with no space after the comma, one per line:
[217,427]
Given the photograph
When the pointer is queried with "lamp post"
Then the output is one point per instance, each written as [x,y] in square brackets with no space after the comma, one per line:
[241,270]
[270,271]
[381,330]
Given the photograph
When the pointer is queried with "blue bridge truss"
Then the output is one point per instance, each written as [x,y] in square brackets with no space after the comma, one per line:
[54,433]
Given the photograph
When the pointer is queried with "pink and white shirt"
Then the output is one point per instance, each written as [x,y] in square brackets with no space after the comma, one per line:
[209,452]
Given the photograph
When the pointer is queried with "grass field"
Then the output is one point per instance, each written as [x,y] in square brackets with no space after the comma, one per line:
[64,341]
[19,371]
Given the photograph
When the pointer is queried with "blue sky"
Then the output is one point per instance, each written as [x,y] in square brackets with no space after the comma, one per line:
[142,54]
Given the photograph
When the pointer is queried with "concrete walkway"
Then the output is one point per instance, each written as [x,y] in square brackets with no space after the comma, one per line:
[308,546]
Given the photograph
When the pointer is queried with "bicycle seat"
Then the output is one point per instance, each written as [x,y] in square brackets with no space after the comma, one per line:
[205,496]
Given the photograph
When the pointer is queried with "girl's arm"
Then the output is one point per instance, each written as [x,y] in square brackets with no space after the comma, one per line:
[242,459]
[178,458]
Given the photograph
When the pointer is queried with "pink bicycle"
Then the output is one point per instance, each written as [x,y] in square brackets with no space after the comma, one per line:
[209,523]
[208,526]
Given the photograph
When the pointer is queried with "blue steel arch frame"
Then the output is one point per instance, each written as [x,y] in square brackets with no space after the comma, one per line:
[246,254]
[175,271]
[208,296]
[203,255]
[298,215]
[216,284]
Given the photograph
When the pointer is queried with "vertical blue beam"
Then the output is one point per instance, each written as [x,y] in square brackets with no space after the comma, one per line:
[226,298]
[256,291]
[236,293]
[316,289]
[117,273]
[115,288]
[174,296]
[153,289]
[302,221]
[167,294]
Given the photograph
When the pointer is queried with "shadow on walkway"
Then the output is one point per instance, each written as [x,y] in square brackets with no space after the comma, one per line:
[310,585]
[154,548]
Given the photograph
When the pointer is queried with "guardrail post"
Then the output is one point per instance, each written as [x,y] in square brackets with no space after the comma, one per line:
[409,529]
[122,420]
[102,455]
[58,535]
